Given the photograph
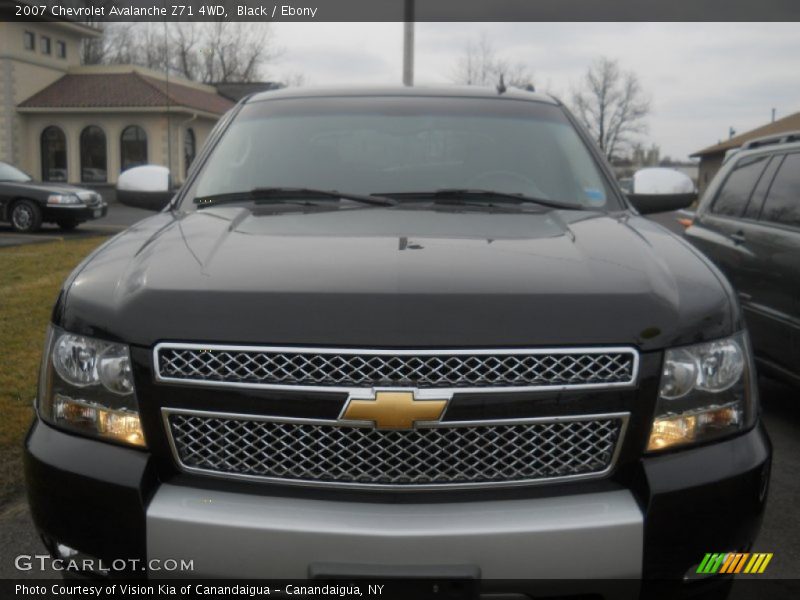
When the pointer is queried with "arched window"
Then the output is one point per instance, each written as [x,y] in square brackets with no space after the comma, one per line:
[54,154]
[93,155]
[189,149]
[133,147]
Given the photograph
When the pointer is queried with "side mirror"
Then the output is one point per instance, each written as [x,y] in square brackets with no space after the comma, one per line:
[144,187]
[660,189]
[648,204]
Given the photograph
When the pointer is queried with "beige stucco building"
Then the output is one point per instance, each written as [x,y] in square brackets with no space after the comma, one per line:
[61,121]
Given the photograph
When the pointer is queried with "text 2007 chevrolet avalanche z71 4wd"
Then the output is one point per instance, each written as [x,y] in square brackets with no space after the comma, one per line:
[398,332]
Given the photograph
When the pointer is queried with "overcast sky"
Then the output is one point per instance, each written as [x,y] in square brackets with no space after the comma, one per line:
[702,77]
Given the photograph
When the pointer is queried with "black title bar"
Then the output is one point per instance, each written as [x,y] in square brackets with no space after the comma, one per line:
[396,10]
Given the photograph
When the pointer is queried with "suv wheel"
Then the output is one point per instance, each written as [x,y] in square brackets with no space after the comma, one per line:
[26,216]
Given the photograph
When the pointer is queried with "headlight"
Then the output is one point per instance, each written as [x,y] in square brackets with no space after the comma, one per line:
[86,386]
[63,199]
[707,391]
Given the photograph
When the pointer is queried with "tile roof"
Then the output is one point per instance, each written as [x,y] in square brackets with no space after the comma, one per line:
[123,90]
[788,123]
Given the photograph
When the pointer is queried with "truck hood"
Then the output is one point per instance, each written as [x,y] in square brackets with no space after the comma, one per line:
[398,277]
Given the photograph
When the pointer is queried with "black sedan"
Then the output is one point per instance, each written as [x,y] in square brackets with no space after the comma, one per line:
[26,204]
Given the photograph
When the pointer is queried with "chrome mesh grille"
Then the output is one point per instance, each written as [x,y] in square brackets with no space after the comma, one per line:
[442,455]
[364,369]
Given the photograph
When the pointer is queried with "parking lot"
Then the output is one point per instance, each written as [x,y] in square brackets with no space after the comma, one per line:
[780,533]
[118,218]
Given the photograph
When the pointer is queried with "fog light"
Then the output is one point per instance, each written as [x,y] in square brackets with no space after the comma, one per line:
[75,561]
[682,429]
[65,551]
[121,425]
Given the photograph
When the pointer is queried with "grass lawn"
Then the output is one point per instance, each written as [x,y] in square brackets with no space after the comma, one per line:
[30,277]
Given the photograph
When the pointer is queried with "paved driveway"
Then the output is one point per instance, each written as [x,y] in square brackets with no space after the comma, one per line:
[119,217]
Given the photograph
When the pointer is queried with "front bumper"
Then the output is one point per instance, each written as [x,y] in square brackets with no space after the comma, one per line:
[236,535]
[107,502]
[78,213]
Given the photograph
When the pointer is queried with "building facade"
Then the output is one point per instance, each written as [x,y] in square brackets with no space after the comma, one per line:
[32,56]
[61,121]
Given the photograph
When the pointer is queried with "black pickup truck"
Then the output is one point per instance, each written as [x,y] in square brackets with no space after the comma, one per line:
[399,332]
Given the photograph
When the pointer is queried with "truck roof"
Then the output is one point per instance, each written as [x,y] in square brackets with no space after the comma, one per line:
[416,91]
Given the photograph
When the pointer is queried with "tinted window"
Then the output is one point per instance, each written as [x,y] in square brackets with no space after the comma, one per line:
[93,155]
[45,45]
[133,147]
[29,40]
[757,199]
[735,193]
[54,155]
[783,201]
[61,49]
[383,145]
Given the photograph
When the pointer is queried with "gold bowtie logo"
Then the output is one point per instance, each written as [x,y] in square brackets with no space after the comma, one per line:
[394,410]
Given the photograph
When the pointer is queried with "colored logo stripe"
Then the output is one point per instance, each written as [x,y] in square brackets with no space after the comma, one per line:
[758,563]
[734,562]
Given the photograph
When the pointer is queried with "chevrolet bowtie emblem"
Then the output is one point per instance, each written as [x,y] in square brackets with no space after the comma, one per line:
[394,410]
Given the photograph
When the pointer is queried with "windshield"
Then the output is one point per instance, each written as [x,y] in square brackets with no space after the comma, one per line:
[392,145]
[9,173]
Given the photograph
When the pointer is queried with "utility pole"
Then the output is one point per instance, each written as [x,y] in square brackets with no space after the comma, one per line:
[169,116]
[408,44]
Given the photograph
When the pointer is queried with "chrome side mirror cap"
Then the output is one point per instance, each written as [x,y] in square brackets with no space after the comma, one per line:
[146,187]
[659,189]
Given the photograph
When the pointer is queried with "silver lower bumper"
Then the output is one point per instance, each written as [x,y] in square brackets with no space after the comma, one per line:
[236,535]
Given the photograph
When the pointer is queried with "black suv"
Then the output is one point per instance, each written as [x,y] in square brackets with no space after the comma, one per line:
[748,223]
[400,332]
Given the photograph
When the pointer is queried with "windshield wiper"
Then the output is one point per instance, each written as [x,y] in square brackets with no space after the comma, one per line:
[456,195]
[279,194]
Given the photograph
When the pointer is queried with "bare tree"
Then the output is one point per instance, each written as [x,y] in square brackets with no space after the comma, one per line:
[93,49]
[185,54]
[612,105]
[229,52]
[153,52]
[143,44]
[294,80]
[480,65]
[208,52]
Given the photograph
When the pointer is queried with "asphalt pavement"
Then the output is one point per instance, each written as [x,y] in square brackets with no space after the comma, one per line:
[119,217]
